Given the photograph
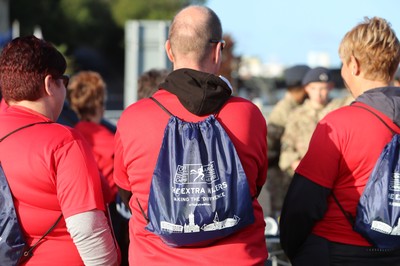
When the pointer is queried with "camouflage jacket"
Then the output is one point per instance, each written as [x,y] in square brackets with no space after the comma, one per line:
[299,129]
[276,125]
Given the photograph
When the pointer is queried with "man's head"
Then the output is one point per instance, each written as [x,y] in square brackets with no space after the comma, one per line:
[195,39]
[148,82]
[318,83]
[25,64]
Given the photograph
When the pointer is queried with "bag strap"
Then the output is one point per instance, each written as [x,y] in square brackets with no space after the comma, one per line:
[29,253]
[162,106]
[348,215]
[18,129]
[375,114]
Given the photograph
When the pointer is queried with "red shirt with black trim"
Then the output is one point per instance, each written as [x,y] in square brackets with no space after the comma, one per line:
[50,170]
[341,156]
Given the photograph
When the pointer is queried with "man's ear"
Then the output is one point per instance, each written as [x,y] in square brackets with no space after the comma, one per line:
[49,85]
[217,55]
[169,51]
[354,66]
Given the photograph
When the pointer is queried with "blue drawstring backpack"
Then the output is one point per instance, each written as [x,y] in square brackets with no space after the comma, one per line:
[199,191]
[12,242]
[378,211]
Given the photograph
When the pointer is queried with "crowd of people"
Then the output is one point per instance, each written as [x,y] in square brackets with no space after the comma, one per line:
[72,162]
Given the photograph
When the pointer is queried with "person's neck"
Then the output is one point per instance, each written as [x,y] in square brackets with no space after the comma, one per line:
[207,68]
[365,85]
[38,106]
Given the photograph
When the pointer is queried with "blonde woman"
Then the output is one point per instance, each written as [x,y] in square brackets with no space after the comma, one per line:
[342,153]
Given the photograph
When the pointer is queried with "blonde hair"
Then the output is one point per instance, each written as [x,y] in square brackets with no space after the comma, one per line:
[86,94]
[375,46]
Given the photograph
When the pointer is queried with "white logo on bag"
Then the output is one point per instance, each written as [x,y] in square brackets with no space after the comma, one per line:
[192,227]
[395,182]
[195,174]
[384,228]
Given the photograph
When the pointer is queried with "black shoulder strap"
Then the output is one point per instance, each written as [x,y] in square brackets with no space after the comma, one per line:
[162,106]
[380,118]
[28,125]
[348,215]
[28,253]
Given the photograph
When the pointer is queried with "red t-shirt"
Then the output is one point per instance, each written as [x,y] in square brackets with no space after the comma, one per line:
[138,139]
[3,105]
[50,169]
[342,153]
[101,140]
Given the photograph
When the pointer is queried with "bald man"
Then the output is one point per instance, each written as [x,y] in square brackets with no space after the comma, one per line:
[192,91]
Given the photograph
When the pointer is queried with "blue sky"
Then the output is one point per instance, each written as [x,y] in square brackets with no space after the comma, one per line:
[286,31]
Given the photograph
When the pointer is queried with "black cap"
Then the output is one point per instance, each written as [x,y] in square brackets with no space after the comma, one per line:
[318,74]
[294,75]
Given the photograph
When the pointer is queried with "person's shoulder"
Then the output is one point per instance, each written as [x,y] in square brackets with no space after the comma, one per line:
[237,104]
[285,103]
[345,115]
[140,108]
[239,100]
[342,111]
[298,111]
[59,134]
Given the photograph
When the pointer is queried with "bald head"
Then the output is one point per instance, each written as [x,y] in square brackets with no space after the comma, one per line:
[191,31]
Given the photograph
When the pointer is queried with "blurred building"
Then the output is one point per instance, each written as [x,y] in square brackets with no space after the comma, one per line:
[5,30]
[4,16]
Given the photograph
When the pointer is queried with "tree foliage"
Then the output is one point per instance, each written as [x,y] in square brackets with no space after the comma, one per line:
[98,24]
[96,27]
[124,10]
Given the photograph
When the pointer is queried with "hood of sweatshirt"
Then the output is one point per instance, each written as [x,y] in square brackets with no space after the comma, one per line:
[199,92]
[385,100]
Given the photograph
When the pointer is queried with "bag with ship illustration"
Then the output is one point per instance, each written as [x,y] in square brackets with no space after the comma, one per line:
[199,191]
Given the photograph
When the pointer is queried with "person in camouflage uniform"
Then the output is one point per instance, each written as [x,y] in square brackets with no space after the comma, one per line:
[337,103]
[304,119]
[278,181]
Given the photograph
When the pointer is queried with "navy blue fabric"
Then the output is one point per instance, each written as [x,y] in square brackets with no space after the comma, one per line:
[12,241]
[199,191]
[378,211]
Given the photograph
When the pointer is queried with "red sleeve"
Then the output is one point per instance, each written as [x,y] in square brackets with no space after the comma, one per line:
[320,164]
[78,179]
[120,172]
